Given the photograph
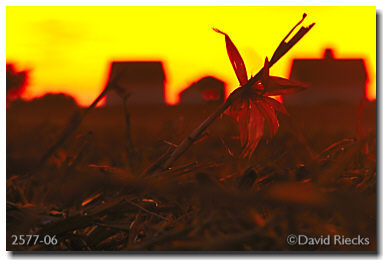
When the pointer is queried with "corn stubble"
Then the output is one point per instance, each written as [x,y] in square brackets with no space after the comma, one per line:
[236,194]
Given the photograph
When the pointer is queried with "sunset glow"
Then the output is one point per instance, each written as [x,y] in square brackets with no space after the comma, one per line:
[69,49]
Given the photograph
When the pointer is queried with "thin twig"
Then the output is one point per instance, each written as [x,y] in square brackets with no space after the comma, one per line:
[146,210]
[157,164]
[75,122]
[130,150]
[187,142]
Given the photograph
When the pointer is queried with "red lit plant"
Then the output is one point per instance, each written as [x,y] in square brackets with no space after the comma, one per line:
[250,104]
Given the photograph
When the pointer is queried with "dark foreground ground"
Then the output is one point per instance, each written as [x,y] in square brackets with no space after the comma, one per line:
[316,178]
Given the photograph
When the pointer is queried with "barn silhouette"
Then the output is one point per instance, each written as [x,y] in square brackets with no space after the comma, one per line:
[144,81]
[206,90]
[329,79]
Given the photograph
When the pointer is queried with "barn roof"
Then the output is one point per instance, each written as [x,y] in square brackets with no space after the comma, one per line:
[205,83]
[329,71]
[139,71]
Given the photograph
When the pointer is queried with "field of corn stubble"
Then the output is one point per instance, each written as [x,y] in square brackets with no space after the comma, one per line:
[92,194]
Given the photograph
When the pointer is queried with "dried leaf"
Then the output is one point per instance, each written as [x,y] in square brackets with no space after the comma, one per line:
[274,85]
[255,130]
[235,59]
[90,199]
[284,46]
[269,115]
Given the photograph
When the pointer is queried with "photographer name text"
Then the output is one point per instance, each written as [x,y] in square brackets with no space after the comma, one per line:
[327,240]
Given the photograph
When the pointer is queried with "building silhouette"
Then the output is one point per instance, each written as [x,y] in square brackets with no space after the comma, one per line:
[142,81]
[206,90]
[330,80]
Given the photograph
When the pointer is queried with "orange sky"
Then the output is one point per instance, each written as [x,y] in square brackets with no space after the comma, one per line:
[69,49]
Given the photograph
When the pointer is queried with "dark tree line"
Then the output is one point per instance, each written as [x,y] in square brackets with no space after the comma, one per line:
[16,82]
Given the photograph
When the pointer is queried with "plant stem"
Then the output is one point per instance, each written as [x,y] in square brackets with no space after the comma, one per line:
[187,142]
[76,120]
[73,124]
[130,150]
